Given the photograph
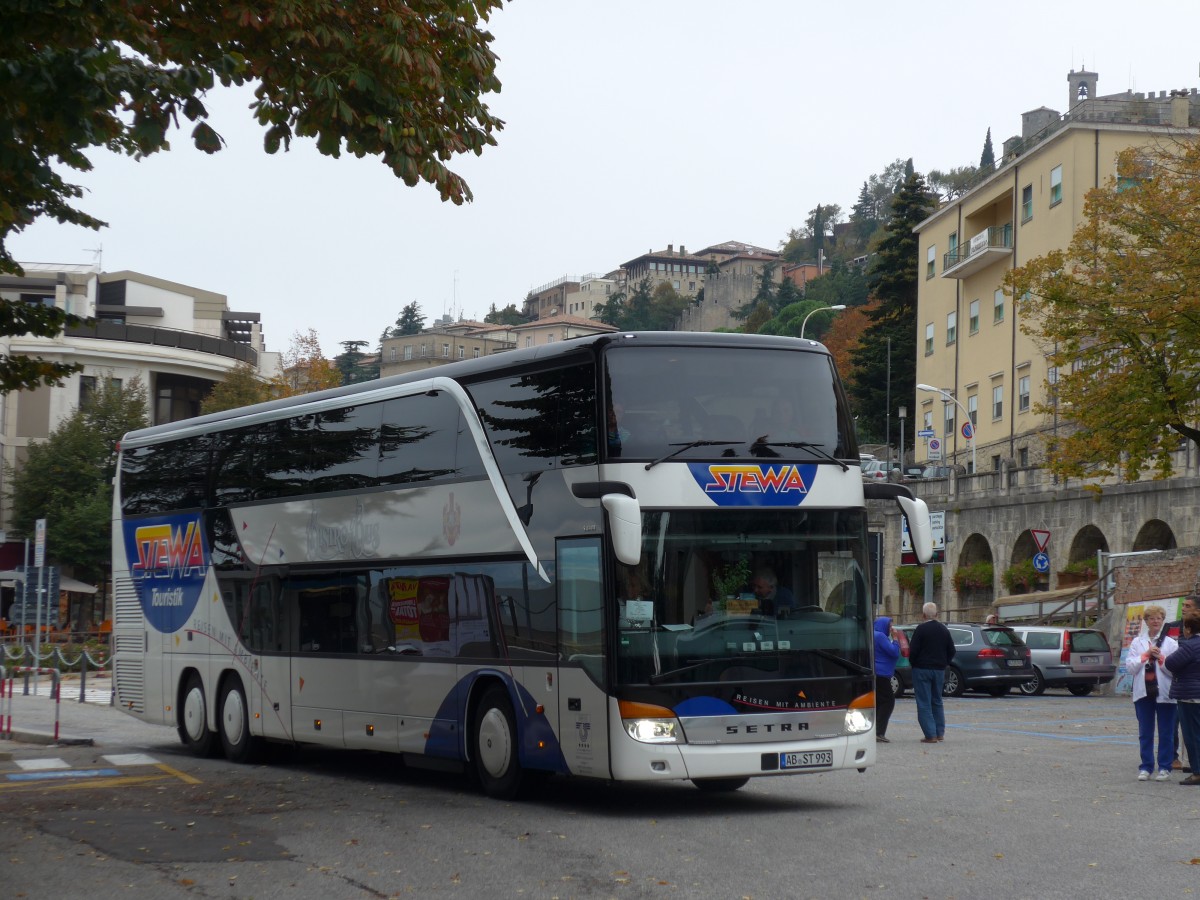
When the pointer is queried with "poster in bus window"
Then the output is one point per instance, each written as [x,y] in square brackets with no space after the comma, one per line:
[402,608]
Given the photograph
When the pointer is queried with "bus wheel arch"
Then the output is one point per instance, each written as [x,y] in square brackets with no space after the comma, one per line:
[233,720]
[192,716]
[494,742]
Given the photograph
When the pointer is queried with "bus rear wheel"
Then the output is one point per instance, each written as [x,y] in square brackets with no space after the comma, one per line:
[496,757]
[236,740]
[193,719]
[719,785]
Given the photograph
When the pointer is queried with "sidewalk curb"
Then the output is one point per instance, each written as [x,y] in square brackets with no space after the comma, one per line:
[45,738]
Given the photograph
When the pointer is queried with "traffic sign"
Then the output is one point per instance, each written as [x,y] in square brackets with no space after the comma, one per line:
[935,448]
[968,430]
[1041,537]
[1041,563]
[937,525]
[926,433]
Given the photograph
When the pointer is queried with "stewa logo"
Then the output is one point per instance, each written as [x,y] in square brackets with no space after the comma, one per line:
[747,484]
[167,562]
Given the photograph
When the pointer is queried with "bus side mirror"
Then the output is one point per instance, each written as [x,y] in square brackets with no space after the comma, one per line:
[920,529]
[624,527]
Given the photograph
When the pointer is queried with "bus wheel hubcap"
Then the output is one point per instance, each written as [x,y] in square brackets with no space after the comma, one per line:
[495,743]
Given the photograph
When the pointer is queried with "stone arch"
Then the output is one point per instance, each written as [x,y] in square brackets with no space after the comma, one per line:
[975,602]
[1155,535]
[1087,541]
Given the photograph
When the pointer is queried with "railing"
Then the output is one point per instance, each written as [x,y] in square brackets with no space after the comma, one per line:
[165,337]
[81,659]
[997,236]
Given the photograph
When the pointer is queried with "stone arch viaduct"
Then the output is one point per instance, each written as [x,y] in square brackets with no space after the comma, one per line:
[993,517]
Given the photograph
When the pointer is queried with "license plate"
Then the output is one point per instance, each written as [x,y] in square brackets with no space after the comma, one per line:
[1015,663]
[1089,659]
[807,759]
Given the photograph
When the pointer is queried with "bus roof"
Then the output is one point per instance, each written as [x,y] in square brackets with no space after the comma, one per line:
[472,369]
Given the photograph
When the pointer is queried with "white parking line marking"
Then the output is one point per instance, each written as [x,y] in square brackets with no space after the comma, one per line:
[131,759]
[41,765]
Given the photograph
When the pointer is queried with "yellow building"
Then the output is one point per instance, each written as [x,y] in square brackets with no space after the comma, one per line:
[969,339]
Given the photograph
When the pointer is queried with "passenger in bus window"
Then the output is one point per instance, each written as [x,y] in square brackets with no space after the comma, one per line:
[636,610]
[773,599]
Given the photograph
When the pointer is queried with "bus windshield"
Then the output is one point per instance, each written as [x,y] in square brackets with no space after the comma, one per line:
[694,402]
[762,594]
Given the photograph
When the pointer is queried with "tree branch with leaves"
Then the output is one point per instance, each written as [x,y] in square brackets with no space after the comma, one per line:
[1118,316]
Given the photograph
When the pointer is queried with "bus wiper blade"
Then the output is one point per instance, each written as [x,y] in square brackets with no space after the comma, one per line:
[807,445]
[688,446]
[841,660]
[671,673]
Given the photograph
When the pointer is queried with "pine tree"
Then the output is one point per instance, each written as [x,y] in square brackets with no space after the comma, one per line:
[892,281]
[987,161]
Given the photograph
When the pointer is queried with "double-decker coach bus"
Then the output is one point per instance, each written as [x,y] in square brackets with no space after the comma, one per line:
[629,556]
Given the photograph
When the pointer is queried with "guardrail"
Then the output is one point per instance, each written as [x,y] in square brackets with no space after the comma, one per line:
[6,717]
[53,658]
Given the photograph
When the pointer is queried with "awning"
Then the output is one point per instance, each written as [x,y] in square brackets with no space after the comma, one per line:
[65,583]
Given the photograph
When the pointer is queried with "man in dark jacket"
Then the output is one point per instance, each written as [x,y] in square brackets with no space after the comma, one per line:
[930,650]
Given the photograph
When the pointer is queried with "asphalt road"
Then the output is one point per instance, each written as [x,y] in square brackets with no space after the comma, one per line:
[1028,797]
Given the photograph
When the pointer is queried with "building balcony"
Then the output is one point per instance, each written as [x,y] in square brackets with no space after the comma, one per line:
[989,246]
[164,337]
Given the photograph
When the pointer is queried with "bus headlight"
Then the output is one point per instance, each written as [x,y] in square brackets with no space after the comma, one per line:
[650,724]
[860,715]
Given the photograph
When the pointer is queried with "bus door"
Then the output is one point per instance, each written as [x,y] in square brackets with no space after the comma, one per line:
[583,703]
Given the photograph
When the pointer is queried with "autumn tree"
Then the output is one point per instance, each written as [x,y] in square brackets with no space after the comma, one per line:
[304,368]
[67,479]
[1117,314]
[400,81]
[241,387]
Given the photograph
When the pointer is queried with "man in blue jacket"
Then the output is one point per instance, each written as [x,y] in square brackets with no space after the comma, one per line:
[887,652]
[930,650]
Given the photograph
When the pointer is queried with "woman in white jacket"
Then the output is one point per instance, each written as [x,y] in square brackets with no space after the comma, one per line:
[1152,692]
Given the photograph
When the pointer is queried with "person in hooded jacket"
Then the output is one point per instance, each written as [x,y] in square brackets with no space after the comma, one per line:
[1184,665]
[887,652]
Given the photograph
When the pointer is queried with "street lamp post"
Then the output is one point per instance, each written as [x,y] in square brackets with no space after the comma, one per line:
[949,397]
[817,310]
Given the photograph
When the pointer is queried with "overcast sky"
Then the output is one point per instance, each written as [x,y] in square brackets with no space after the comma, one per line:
[630,125]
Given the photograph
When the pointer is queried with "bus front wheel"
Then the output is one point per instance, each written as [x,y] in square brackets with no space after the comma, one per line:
[496,756]
[193,719]
[236,739]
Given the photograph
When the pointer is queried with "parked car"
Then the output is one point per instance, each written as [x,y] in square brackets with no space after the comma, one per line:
[989,658]
[902,678]
[914,472]
[1077,659]
[942,471]
[877,470]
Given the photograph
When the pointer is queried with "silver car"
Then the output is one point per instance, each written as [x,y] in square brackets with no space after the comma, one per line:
[1077,659]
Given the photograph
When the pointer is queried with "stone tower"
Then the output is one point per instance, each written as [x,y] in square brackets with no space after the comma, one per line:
[1081,86]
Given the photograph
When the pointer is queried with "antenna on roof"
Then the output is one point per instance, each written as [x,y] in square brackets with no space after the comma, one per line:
[99,251]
